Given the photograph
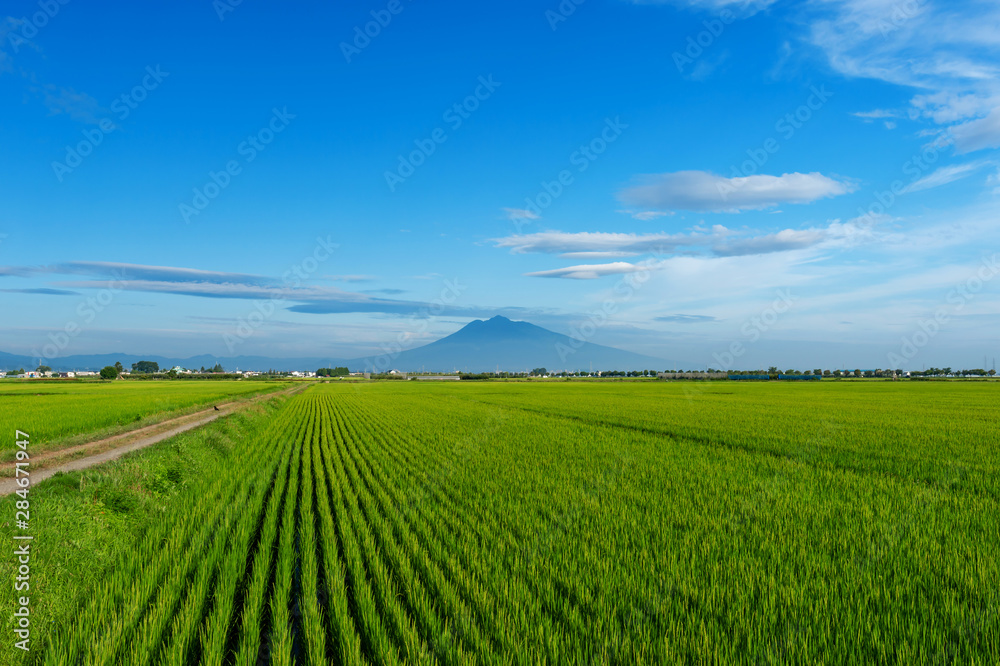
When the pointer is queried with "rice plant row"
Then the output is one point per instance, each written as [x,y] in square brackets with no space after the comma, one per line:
[398,524]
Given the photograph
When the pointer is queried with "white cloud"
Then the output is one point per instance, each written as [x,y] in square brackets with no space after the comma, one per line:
[949,51]
[591,271]
[788,239]
[597,255]
[978,134]
[720,243]
[702,191]
[741,7]
[560,242]
[646,215]
[943,176]
[876,114]
[514,214]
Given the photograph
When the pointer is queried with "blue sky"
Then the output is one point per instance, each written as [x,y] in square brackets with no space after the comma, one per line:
[737,184]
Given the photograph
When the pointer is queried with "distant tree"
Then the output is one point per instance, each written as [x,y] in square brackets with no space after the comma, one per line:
[818,371]
[826,373]
[109,372]
[119,367]
[146,367]
[218,368]
[857,373]
[992,373]
[43,368]
[773,370]
[332,372]
[539,371]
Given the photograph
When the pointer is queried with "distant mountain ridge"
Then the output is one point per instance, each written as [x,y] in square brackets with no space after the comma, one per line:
[480,346]
[512,346]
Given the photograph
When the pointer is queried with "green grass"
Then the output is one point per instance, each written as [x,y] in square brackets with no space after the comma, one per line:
[54,412]
[632,522]
[85,523]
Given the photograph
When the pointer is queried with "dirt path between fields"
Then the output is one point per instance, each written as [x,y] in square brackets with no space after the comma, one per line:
[111,448]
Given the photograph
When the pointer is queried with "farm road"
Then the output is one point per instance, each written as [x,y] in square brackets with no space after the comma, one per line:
[133,441]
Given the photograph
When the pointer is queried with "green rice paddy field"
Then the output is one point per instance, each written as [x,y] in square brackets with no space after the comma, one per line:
[53,411]
[531,522]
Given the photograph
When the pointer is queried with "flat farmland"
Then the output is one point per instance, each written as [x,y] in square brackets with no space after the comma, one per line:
[53,412]
[548,522]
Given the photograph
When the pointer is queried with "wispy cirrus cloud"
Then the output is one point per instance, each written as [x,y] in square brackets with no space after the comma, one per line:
[590,271]
[978,134]
[705,192]
[945,175]
[718,242]
[595,244]
[198,283]
[740,7]
[41,292]
[949,52]
[79,106]
[514,214]
[686,319]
